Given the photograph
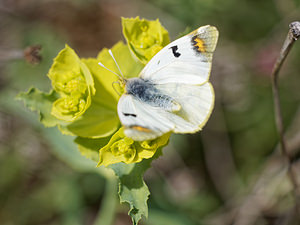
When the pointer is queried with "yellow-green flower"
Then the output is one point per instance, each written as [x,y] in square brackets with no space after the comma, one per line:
[73,82]
[123,149]
[145,38]
[101,118]
[68,105]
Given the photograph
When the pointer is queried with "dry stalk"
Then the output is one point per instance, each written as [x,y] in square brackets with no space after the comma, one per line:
[293,35]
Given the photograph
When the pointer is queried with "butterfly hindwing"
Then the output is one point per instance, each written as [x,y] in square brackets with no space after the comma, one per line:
[196,103]
[142,121]
[185,60]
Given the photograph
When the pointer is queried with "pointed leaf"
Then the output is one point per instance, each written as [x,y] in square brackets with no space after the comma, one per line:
[132,188]
[41,102]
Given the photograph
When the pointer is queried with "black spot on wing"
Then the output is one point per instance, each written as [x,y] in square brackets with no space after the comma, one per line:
[129,114]
[174,51]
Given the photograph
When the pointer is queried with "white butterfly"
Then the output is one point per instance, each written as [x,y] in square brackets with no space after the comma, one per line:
[172,93]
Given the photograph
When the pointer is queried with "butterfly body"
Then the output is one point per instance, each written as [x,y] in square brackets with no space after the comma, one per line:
[146,91]
[173,92]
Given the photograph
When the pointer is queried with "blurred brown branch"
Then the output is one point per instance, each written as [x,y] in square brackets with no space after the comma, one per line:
[31,54]
[293,35]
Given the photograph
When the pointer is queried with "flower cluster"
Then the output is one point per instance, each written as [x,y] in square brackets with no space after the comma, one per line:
[73,82]
[123,149]
[83,102]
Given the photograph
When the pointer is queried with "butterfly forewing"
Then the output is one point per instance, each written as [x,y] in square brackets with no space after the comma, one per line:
[185,60]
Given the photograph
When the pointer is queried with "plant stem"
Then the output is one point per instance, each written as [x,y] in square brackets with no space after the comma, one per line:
[293,35]
[107,212]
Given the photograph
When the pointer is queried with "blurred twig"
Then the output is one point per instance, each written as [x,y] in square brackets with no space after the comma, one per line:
[7,55]
[31,54]
[293,35]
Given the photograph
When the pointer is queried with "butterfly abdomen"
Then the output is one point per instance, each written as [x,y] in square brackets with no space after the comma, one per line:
[146,92]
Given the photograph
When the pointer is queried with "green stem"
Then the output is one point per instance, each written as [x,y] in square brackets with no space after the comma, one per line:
[107,211]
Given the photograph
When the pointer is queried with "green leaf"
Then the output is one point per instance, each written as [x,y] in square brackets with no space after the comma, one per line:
[123,149]
[105,95]
[96,122]
[41,102]
[90,147]
[132,188]
[144,37]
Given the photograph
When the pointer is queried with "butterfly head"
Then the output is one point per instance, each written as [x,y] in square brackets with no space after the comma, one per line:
[121,81]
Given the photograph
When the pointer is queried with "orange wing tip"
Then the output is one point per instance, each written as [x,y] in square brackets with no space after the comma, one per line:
[204,39]
[198,44]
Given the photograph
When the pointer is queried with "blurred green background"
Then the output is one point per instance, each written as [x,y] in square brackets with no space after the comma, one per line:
[230,173]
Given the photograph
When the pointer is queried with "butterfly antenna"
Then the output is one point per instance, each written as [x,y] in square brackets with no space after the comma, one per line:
[111,54]
[100,64]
